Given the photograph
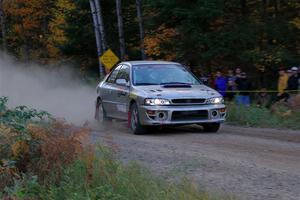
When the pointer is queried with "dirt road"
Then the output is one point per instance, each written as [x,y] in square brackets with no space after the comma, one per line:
[245,162]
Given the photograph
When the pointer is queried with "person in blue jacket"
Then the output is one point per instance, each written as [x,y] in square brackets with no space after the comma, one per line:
[220,83]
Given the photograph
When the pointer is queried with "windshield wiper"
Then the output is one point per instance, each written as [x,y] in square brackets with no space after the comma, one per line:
[146,84]
[175,83]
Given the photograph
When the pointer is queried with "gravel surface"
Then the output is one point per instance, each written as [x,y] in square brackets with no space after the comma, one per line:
[247,163]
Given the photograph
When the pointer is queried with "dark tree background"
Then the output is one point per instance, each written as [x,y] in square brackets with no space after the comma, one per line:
[207,35]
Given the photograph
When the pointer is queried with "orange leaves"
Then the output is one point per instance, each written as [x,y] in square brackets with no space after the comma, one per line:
[62,145]
[43,149]
[37,132]
[56,26]
[28,20]
[155,40]
[28,14]
[20,148]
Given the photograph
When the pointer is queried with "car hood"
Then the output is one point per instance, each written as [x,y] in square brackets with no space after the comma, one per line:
[196,91]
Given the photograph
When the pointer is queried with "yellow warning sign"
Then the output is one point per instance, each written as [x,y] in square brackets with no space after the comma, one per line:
[109,59]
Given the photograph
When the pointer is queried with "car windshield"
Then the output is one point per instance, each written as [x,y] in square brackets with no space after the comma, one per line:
[162,74]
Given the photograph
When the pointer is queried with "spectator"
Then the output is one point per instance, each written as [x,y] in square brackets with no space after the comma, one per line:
[238,72]
[220,83]
[282,85]
[211,82]
[231,86]
[243,86]
[263,99]
[293,81]
[204,79]
[289,73]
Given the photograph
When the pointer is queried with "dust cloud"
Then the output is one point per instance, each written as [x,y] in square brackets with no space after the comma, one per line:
[57,90]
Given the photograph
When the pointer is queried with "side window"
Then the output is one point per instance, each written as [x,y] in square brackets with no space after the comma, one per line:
[124,73]
[113,75]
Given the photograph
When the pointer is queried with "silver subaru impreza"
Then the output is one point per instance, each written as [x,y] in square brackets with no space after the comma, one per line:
[156,93]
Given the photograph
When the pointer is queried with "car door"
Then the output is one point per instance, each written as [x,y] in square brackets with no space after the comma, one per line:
[122,92]
[108,93]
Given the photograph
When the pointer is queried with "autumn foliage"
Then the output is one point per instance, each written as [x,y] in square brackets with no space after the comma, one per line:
[257,35]
[42,158]
[158,43]
[32,142]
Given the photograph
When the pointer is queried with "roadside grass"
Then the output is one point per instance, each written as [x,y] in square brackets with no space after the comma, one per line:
[41,158]
[254,116]
[105,178]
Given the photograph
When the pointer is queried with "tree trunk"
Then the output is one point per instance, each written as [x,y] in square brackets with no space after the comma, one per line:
[26,51]
[97,36]
[264,16]
[244,7]
[101,24]
[264,9]
[120,28]
[141,27]
[3,29]
[26,48]
[277,7]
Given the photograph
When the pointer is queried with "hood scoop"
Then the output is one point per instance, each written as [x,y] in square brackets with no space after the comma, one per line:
[159,90]
[176,85]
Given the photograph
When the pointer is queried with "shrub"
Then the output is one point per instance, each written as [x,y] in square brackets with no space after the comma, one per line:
[33,142]
[262,117]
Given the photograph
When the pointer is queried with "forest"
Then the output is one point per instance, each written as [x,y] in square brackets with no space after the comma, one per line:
[207,35]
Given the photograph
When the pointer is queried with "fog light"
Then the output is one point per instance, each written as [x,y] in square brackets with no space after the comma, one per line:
[151,112]
[161,115]
[214,113]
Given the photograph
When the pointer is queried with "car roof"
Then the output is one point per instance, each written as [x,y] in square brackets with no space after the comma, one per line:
[150,62]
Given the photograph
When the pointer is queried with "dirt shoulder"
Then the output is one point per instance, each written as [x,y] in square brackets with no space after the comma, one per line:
[268,133]
[248,163]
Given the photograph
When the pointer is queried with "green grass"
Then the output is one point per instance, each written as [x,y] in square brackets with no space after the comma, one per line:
[105,178]
[261,117]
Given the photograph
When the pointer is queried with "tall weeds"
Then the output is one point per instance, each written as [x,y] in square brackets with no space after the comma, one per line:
[263,117]
[42,158]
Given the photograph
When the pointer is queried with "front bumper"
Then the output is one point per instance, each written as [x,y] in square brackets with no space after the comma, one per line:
[172,115]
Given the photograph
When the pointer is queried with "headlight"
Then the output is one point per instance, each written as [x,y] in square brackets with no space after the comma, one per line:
[215,100]
[157,102]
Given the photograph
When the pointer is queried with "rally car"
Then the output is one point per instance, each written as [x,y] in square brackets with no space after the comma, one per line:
[157,93]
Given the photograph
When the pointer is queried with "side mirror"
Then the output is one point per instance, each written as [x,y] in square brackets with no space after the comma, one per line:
[122,82]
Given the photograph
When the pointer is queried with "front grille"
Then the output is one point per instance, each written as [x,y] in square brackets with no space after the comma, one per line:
[188,101]
[189,115]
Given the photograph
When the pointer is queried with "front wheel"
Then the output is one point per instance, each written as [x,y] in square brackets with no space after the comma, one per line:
[134,121]
[211,127]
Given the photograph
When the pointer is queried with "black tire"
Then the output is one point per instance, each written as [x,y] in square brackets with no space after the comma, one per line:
[211,127]
[105,118]
[134,121]
[100,109]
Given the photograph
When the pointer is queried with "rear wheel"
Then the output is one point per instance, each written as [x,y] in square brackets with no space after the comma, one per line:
[211,127]
[100,110]
[134,121]
[105,118]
